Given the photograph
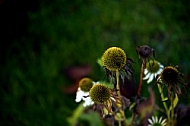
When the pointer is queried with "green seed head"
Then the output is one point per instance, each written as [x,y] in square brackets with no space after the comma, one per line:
[85,84]
[114,58]
[170,75]
[152,66]
[100,93]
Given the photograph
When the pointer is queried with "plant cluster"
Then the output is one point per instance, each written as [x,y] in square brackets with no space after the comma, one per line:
[115,107]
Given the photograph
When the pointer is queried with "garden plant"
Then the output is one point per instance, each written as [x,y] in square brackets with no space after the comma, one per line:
[116,107]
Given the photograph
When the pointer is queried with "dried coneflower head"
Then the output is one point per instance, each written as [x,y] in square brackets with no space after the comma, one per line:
[145,51]
[173,79]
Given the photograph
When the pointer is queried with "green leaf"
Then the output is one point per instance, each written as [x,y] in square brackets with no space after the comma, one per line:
[174,104]
[91,118]
[175,101]
[76,114]
[165,99]
[132,106]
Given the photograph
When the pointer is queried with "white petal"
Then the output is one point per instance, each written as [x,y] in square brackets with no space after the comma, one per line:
[147,76]
[150,121]
[145,71]
[84,95]
[153,119]
[161,66]
[88,102]
[150,78]
[160,120]
[164,122]
[96,82]
[113,99]
[159,71]
[79,95]
[156,119]
[155,75]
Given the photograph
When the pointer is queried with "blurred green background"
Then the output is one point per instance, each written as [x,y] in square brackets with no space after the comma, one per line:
[42,39]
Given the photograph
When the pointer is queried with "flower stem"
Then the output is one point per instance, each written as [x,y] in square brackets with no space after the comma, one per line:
[172,110]
[117,85]
[141,77]
[121,111]
[164,103]
[169,115]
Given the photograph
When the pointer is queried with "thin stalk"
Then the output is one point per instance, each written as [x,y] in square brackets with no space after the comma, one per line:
[117,85]
[164,103]
[119,123]
[119,95]
[172,111]
[141,77]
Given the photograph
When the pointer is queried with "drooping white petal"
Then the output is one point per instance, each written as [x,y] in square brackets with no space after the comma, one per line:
[161,66]
[164,122]
[160,120]
[150,121]
[85,94]
[88,102]
[150,78]
[159,71]
[147,76]
[145,71]
[79,95]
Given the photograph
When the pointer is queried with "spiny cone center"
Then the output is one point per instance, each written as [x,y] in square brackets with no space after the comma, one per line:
[85,84]
[152,66]
[100,93]
[114,58]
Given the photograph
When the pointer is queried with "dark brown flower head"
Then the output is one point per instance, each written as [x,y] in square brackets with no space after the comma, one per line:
[145,51]
[173,79]
[170,75]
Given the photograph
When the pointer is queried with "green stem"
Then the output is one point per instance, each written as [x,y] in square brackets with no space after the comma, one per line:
[172,110]
[164,103]
[117,85]
[119,95]
[119,123]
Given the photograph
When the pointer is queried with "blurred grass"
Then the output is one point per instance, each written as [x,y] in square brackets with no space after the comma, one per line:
[65,33]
